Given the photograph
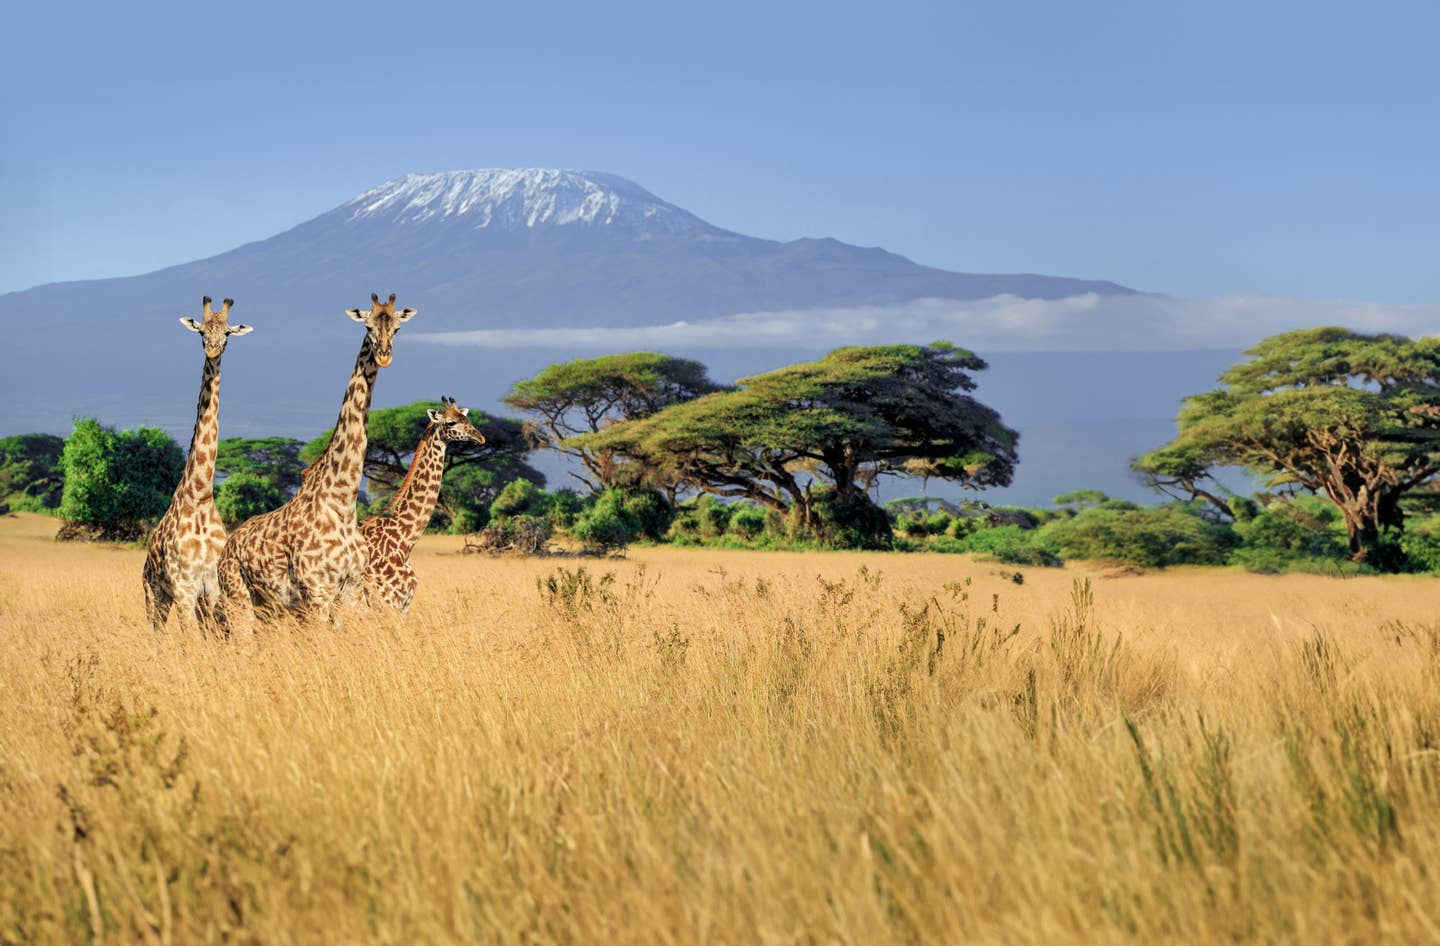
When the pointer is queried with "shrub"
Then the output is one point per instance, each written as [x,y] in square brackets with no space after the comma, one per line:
[685,527]
[519,498]
[650,512]
[30,477]
[244,495]
[1012,516]
[713,516]
[468,520]
[563,506]
[116,481]
[1304,527]
[843,523]
[1011,545]
[747,521]
[602,528]
[609,521]
[526,535]
[922,524]
[1421,544]
[1152,537]
[960,527]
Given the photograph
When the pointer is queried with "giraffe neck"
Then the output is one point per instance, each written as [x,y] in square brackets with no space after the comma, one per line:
[198,482]
[414,501]
[337,474]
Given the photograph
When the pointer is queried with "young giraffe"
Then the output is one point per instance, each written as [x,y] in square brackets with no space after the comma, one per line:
[391,537]
[308,556]
[185,545]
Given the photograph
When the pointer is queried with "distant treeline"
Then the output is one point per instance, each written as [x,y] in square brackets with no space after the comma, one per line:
[1343,429]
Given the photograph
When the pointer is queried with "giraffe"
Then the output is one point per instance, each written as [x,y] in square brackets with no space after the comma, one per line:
[186,543]
[308,556]
[391,537]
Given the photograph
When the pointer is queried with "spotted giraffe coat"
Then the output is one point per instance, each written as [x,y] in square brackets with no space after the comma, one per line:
[389,578]
[308,556]
[184,548]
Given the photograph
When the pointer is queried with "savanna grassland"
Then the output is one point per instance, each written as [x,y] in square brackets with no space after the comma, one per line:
[694,746]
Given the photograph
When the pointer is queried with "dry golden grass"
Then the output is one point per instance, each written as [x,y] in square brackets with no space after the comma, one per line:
[718,747]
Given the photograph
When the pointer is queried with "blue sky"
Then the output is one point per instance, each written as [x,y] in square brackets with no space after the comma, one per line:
[1201,149]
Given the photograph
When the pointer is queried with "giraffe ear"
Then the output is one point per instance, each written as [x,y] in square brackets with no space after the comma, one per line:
[241,330]
[355,314]
[190,323]
[464,411]
[435,416]
[405,315]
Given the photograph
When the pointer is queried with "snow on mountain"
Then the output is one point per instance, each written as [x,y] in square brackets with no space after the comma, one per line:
[523,197]
[526,248]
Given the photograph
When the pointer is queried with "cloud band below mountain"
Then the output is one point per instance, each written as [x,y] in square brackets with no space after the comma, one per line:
[1003,323]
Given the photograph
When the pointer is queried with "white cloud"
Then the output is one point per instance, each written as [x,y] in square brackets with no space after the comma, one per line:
[1002,323]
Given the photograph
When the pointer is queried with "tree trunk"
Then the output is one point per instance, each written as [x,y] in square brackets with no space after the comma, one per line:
[1364,538]
[1367,544]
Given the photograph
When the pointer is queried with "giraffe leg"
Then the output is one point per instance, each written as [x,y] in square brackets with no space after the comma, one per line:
[206,615]
[157,597]
[234,608]
[157,606]
[186,607]
[405,589]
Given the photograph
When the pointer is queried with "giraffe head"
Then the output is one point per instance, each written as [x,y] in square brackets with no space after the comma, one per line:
[382,320]
[453,424]
[214,327]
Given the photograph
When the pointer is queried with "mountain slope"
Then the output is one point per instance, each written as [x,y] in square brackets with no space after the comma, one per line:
[533,248]
[543,248]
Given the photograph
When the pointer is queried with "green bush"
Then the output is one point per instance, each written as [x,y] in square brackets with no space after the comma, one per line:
[1153,537]
[1011,545]
[616,517]
[116,481]
[650,511]
[244,495]
[843,523]
[685,527]
[606,522]
[960,527]
[468,520]
[922,524]
[747,522]
[563,506]
[30,477]
[519,498]
[712,515]
[1305,527]
[1421,544]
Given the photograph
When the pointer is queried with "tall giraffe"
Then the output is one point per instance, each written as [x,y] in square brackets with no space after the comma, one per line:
[186,543]
[308,556]
[391,537]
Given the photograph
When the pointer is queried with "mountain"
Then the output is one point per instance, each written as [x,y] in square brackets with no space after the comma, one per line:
[544,248]
[533,248]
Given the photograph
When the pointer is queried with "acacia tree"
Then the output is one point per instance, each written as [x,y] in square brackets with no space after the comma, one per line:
[845,420]
[1347,416]
[590,394]
[30,477]
[474,473]
[276,460]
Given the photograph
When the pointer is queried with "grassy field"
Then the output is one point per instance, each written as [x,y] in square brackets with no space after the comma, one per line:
[695,746]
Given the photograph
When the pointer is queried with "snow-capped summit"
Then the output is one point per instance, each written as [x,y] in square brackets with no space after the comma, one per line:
[523,197]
